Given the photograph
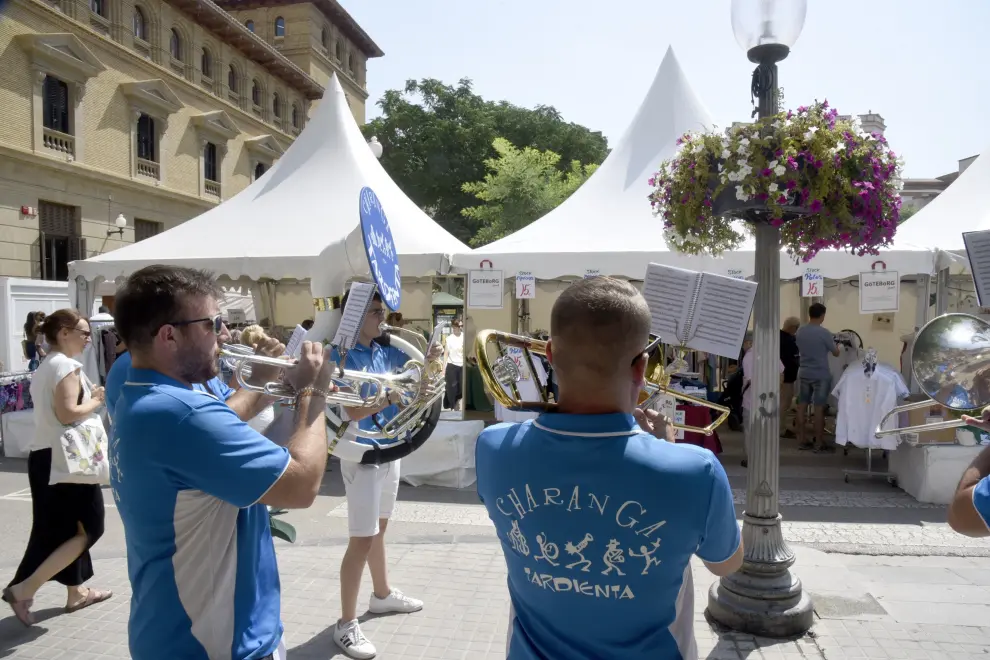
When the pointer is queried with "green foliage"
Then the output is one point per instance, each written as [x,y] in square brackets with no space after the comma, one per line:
[521,186]
[279,528]
[907,212]
[437,137]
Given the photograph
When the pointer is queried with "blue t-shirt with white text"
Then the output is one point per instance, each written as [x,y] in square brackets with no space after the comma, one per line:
[187,477]
[118,374]
[598,522]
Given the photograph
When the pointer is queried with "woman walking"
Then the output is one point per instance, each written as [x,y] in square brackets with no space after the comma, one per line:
[67,519]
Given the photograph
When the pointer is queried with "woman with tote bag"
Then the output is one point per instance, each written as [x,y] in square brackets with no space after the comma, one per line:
[67,518]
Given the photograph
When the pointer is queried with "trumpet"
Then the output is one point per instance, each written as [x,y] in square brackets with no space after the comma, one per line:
[951,363]
[501,373]
[241,358]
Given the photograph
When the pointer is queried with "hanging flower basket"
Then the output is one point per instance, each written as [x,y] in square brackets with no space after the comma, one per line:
[825,182]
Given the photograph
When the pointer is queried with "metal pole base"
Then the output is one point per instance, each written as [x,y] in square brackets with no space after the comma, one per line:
[763,598]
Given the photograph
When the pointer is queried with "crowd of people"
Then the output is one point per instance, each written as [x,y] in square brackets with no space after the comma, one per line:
[588,500]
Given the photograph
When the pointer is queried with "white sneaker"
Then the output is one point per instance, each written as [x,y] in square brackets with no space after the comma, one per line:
[351,640]
[396,601]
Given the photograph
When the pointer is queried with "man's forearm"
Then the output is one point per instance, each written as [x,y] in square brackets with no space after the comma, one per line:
[248,404]
[308,443]
[977,470]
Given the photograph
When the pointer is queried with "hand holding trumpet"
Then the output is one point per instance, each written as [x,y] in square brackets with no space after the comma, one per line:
[262,373]
[314,369]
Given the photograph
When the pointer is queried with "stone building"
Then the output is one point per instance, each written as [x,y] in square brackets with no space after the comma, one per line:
[152,110]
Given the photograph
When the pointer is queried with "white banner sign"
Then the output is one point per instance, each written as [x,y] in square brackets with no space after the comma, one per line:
[812,284]
[484,289]
[735,273]
[592,272]
[879,291]
[525,286]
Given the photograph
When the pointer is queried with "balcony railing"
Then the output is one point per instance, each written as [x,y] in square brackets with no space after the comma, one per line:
[61,143]
[149,168]
[212,187]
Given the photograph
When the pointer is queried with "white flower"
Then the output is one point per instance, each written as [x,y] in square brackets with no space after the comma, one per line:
[772,164]
[840,146]
[773,187]
[779,170]
[741,194]
[811,133]
[744,142]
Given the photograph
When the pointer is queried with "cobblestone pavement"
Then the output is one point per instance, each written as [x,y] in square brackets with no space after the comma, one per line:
[867,608]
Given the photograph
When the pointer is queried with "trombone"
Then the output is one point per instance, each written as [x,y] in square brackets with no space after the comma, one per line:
[501,373]
[951,364]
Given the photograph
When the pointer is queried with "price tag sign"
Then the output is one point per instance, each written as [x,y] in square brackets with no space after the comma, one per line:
[879,291]
[516,355]
[736,274]
[525,286]
[812,284]
[592,272]
[679,419]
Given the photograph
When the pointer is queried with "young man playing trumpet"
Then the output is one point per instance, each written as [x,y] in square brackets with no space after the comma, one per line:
[371,492]
[598,519]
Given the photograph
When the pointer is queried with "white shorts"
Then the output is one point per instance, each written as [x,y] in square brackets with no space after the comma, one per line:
[371,491]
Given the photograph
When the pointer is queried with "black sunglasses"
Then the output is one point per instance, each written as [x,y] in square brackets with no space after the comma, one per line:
[216,321]
[650,348]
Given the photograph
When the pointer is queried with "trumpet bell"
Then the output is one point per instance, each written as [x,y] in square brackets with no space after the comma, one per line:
[951,364]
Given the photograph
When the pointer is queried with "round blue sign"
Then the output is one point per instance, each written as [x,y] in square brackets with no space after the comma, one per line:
[382,256]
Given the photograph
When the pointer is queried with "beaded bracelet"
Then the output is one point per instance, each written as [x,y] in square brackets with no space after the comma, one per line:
[312,391]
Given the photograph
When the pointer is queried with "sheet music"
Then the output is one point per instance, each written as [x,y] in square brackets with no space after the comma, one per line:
[721,315]
[295,342]
[358,302]
[978,251]
[669,292]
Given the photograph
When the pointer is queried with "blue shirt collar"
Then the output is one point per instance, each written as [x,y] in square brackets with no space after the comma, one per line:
[585,425]
[150,376]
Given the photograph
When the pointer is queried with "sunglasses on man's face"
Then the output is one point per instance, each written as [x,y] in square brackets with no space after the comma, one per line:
[216,322]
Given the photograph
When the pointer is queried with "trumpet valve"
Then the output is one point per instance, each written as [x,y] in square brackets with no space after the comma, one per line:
[505,370]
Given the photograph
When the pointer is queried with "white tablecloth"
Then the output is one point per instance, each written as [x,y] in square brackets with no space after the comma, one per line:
[18,430]
[447,458]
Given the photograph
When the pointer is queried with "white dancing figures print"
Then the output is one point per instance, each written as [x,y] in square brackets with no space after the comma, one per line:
[622,534]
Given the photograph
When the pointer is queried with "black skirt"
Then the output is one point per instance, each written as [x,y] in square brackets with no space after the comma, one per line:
[56,512]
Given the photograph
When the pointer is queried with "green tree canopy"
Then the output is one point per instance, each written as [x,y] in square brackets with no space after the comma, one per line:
[522,185]
[437,137]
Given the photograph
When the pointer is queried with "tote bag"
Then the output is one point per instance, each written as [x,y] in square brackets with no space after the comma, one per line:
[79,454]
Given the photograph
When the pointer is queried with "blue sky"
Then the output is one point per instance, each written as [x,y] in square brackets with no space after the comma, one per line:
[924,66]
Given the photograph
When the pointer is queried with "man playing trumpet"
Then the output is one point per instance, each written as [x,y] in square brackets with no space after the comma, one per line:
[598,519]
[371,493]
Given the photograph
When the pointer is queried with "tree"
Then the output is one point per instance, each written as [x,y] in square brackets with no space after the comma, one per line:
[436,138]
[521,186]
[907,212]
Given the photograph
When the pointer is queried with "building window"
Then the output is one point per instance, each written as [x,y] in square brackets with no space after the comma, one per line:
[249,25]
[279,27]
[210,162]
[146,229]
[350,62]
[175,45]
[206,64]
[56,105]
[232,79]
[277,106]
[339,50]
[98,7]
[259,171]
[147,142]
[256,92]
[295,116]
[140,25]
[325,39]
[60,240]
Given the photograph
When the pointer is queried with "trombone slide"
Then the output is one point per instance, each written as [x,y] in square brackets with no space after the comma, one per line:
[917,428]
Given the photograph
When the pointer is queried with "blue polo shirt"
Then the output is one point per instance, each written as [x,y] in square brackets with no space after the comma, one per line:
[375,359]
[981,498]
[187,475]
[598,521]
[118,374]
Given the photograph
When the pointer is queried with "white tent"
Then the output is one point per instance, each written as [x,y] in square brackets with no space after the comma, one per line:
[962,207]
[607,224]
[280,223]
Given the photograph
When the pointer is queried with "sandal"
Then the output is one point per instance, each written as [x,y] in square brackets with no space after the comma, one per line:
[93,597]
[22,608]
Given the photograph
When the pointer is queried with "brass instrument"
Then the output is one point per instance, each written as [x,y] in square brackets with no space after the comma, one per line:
[501,373]
[951,363]
[241,357]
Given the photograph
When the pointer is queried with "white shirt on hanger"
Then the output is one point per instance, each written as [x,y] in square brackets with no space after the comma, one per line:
[864,400]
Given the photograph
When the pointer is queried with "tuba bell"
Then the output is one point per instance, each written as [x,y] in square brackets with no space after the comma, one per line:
[500,375]
[951,364]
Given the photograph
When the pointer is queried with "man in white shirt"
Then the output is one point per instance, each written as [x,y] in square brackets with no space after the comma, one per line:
[454,350]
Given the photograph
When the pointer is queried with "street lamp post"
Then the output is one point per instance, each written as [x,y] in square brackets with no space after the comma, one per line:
[376,147]
[763,597]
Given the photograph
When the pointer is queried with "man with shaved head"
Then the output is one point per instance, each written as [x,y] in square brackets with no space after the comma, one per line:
[598,511]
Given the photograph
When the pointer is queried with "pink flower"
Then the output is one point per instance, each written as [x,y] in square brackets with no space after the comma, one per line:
[816,206]
[782,199]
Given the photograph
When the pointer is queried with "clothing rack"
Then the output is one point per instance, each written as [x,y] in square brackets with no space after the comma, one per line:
[869,361]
